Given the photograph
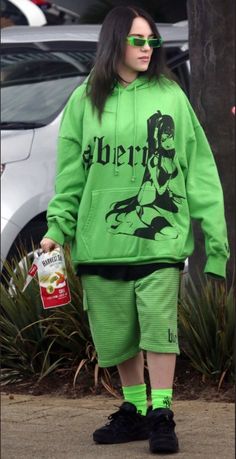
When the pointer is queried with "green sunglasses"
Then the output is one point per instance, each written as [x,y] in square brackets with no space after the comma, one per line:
[152,42]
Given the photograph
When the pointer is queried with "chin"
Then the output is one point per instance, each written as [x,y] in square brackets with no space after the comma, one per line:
[143,68]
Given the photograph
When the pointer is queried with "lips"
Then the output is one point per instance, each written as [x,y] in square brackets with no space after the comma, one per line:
[144,59]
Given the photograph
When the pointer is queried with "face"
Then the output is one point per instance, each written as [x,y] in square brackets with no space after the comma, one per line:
[167,141]
[136,58]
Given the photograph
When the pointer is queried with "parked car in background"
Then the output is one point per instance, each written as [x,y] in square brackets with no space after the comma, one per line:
[40,69]
[21,12]
[57,14]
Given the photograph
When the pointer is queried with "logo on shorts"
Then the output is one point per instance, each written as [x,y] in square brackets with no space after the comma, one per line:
[172,337]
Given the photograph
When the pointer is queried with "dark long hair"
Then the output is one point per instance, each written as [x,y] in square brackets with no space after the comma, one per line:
[111,50]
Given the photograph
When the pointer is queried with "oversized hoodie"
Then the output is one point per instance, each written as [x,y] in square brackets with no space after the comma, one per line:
[128,188]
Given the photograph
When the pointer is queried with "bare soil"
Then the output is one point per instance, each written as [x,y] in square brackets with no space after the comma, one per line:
[188,385]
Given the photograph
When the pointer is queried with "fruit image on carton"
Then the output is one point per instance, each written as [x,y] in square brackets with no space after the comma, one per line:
[52,276]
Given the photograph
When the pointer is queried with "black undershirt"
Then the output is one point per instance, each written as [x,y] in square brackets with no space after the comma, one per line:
[125,272]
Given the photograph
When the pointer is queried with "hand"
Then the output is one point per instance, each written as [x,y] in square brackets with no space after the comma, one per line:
[47,245]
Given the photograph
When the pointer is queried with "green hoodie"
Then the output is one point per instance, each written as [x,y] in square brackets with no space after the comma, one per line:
[127,188]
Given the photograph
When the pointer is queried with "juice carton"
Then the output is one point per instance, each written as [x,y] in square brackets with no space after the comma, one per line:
[52,276]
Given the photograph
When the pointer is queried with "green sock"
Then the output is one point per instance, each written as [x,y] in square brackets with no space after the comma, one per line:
[161,398]
[138,396]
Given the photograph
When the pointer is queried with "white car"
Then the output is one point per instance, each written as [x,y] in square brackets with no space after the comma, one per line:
[21,12]
[40,69]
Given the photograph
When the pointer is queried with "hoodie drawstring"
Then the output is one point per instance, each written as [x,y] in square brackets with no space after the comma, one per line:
[116,167]
[133,178]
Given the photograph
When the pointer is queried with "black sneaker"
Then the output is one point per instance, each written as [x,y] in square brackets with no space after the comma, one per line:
[162,438]
[124,425]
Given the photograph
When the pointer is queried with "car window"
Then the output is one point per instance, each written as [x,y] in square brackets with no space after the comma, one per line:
[182,71]
[37,81]
[178,61]
[36,85]
[12,14]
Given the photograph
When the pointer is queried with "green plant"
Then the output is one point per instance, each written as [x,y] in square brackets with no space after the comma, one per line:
[26,346]
[206,325]
[36,342]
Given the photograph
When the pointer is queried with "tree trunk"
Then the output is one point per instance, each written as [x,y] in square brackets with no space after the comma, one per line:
[211,45]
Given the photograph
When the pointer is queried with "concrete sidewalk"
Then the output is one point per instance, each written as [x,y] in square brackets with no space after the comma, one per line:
[46,427]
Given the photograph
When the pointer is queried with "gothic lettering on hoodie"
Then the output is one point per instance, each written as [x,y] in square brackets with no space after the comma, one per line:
[119,155]
[148,214]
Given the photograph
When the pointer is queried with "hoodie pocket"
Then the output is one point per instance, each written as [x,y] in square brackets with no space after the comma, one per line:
[119,228]
[107,210]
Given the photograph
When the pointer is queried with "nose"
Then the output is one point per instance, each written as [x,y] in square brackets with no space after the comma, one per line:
[146,46]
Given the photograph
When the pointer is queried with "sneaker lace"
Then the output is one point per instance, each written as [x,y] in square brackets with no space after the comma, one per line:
[120,418]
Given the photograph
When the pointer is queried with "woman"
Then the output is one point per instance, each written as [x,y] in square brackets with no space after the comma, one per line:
[134,167]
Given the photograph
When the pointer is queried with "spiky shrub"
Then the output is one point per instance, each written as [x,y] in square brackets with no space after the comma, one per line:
[30,342]
[206,325]
[36,342]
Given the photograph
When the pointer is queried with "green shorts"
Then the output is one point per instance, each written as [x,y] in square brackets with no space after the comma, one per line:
[127,316]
